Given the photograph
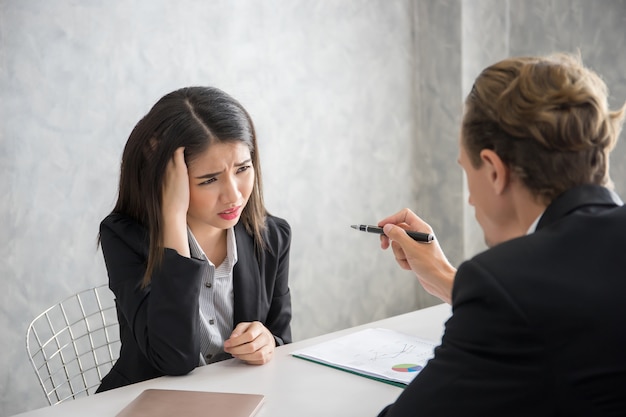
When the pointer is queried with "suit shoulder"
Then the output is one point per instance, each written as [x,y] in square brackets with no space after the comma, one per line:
[277,234]
[505,264]
[123,227]
[277,225]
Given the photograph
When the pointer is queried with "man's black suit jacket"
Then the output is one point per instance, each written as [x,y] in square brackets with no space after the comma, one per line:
[159,324]
[539,322]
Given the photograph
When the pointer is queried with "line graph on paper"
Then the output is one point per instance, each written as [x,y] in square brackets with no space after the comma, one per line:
[405,349]
[381,353]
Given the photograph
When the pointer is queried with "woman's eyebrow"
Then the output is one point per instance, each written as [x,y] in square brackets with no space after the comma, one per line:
[215,174]
[247,161]
[207,176]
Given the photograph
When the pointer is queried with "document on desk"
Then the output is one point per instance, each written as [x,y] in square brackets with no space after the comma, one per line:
[381,354]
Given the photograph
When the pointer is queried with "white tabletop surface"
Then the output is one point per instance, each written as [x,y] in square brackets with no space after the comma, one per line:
[292,386]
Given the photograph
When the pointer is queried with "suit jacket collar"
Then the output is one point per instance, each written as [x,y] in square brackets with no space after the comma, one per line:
[578,198]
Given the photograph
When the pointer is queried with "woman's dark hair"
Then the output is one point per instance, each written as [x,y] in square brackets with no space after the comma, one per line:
[193,118]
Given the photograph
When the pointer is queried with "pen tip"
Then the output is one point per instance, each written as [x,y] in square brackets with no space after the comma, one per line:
[354,226]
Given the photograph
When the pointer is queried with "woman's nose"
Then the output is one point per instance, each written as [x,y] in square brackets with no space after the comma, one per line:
[230,192]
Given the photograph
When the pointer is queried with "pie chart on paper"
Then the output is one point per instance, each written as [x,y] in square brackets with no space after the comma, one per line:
[407,367]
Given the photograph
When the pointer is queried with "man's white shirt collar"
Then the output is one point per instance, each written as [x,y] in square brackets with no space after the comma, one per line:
[534,224]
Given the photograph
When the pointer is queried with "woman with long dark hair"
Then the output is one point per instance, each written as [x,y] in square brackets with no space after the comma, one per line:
[198,267]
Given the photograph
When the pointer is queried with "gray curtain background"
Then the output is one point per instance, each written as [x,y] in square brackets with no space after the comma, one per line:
[356,102]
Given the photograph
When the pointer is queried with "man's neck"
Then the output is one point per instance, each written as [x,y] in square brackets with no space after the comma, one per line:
[528,208]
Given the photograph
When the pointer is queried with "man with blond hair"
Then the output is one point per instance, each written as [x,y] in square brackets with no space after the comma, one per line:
[539,319]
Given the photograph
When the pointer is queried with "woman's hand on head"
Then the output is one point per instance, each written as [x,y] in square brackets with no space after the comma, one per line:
[426,260]
[175,203]
[251,342]
[176,186]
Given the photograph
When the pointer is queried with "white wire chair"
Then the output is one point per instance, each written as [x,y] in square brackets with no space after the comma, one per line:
[73,344]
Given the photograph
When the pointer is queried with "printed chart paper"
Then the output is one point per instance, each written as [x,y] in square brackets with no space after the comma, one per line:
[382,354]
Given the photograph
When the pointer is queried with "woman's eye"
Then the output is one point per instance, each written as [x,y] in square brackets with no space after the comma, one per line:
[209,181]
[243,168]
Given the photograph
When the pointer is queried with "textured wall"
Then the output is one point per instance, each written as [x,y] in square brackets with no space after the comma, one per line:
[357,105]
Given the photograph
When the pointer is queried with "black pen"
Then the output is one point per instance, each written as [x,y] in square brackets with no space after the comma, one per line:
[417,236]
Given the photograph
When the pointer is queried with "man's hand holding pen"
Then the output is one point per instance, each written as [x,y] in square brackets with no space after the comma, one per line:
[428,262]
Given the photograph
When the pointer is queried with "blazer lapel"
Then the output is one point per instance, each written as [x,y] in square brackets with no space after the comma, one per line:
[246,278]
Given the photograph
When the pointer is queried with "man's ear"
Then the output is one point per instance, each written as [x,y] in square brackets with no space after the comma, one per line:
[498,172]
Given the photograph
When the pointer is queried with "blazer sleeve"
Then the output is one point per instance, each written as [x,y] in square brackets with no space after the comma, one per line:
[489,357]
[163,316]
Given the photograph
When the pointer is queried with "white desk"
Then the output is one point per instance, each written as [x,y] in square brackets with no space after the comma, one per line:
[292,386]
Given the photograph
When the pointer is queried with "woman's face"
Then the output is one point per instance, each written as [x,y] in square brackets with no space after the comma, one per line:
[220,183]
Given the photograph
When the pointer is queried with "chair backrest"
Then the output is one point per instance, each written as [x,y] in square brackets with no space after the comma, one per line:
[73,344]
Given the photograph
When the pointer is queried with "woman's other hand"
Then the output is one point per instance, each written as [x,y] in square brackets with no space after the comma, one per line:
[251,342]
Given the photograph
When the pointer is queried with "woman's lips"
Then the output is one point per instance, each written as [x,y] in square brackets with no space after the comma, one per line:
[230,214]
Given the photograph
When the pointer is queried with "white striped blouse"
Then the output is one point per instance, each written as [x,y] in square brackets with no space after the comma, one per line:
[216,300]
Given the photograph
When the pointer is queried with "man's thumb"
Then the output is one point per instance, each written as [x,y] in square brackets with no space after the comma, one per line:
[395,233]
